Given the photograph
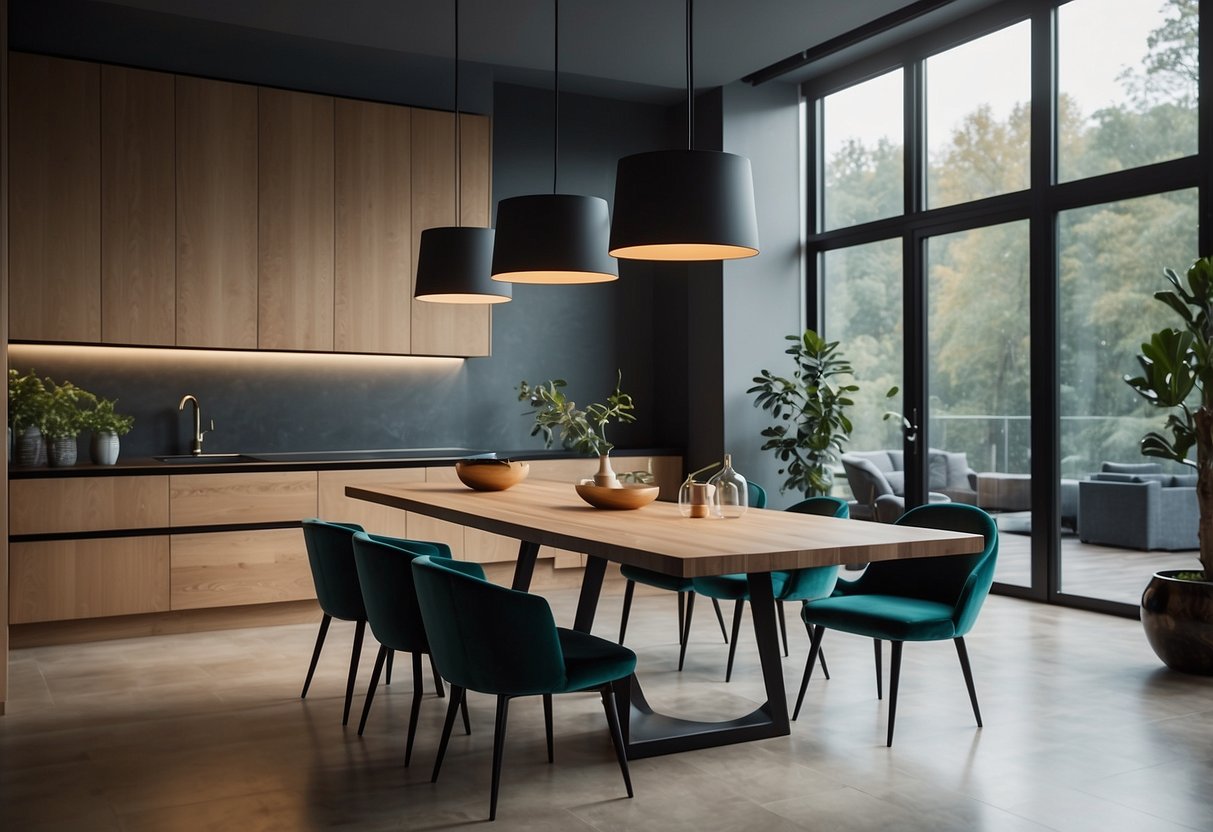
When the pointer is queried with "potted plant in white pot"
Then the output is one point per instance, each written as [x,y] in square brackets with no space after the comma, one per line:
[581,430]
[62,420]
[106,425]
[27,399]
[1177,376]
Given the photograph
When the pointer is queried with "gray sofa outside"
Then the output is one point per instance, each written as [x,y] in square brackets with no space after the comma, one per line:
[877,480]
[1137,506]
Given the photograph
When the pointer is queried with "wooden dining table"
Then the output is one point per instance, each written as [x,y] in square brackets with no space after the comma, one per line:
[657,537]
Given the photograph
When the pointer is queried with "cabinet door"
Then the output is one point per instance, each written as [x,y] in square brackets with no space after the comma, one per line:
[295,221]
[65,579]
[54,199]
[138,290]
[85,504]
[225,569]
[377,519]
[373,239]
[216,214]
[444,328]
[255,497]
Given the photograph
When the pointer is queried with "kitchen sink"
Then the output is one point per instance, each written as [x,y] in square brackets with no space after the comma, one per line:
[212,459]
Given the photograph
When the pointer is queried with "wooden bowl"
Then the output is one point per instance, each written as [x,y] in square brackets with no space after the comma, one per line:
[627,496]
[491,474]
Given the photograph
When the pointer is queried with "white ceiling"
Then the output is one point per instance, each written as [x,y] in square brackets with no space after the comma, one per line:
[622,44]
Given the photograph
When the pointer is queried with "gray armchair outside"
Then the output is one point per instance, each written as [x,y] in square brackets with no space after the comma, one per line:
[877,480]
[1139,509]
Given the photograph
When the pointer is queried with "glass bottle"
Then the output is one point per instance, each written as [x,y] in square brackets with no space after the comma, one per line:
[731,494]
[694,498]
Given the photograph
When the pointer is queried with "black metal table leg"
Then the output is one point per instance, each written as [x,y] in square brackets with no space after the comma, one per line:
[525,567]
[591,589]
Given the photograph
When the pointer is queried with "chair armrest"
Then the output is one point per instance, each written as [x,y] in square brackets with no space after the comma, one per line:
[417,547]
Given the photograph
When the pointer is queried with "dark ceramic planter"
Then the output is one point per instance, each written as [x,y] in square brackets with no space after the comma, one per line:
[1178,619]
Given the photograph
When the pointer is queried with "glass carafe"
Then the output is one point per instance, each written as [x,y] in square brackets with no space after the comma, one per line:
[730,492]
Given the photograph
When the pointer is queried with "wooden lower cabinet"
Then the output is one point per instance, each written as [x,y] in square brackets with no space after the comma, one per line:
[69,579]
[377,519]
[225,569]
[252,497]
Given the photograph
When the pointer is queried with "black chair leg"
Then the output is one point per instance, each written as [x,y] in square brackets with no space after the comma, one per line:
[503,708]
[627,608]
[879,673]
[349,685]
[821,659]
[720,620]
[418,691]
[963,653]
[685,636]
[894,675]
[457,697]
[815,636]
[370,692]
[682,616]
[391,655]
[612,715]
[438,686]
[463,707]
[547,725]
[311,668]
[783,627]
[738,608]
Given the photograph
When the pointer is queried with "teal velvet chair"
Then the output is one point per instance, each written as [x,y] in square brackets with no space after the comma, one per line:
[796,585]
[917,599]
[385,574]
[330,553]
[499,641]
[757,498]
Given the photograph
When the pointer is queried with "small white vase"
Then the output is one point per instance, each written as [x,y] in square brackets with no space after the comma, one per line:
[104,448]
[605,477]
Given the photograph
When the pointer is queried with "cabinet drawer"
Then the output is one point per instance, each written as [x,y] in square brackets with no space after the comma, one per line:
[255,497]
[67,579]
[87,504]
[377,519]
[224,569]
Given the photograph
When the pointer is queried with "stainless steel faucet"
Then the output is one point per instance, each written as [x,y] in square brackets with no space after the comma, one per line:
[196,445]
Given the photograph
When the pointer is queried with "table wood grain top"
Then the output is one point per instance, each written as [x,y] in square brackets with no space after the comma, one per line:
[658,537]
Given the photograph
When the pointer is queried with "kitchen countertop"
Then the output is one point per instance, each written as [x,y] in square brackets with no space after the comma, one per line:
[308,461]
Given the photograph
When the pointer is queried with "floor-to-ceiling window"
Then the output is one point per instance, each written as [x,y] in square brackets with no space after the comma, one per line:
[994,203]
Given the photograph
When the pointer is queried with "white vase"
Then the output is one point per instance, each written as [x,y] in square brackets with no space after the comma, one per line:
[103,448]
[605,476]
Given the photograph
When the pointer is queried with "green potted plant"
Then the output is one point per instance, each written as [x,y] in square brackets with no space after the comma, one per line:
[810,410]
[581,430]
[1177,376]
[62,420]
[27,399]
[106,425]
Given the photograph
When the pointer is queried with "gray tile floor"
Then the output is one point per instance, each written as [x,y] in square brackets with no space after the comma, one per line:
[1085,730]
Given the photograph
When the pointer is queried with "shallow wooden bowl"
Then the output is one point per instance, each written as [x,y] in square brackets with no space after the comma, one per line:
[627,496]
[491,474]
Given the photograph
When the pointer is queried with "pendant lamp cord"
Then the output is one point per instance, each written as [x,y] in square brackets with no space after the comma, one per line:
[690,78]
[556,94]
[458,137]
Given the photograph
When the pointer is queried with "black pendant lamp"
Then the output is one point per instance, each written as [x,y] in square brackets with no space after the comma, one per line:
[553,238]
[454,264]
[684,204]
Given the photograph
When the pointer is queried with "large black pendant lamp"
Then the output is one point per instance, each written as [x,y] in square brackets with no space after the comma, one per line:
[454,264]
[684,204]
[553,238]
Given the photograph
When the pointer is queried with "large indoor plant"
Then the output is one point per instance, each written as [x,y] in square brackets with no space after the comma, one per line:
[581,429]
[811,424]
[1177,376]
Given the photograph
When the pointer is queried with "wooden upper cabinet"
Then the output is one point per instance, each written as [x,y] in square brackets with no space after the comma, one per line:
[295,221]
[440,328]
[374,243]
[216,145]
[54,199]
[138,293]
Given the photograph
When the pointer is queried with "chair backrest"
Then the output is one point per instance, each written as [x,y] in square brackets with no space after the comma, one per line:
[385,572]
[962,581]
[818,581]
[756,495]
[823,506]
[485,637]
[330,553]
